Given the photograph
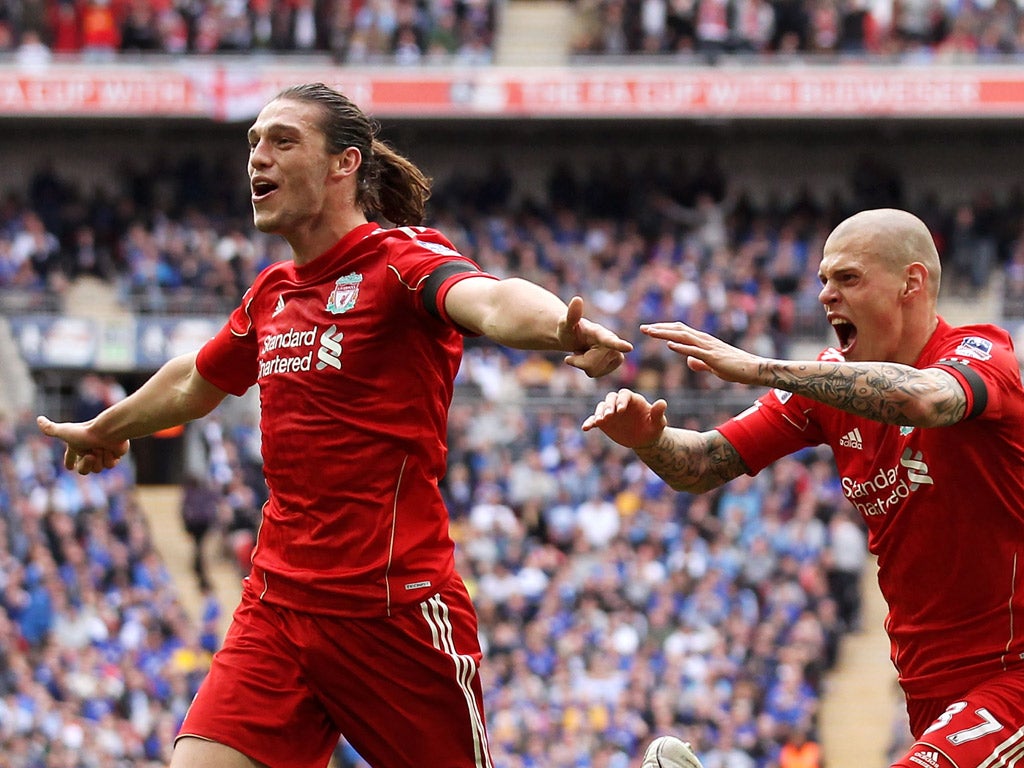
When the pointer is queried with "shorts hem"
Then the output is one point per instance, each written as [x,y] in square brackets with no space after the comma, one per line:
[222,742]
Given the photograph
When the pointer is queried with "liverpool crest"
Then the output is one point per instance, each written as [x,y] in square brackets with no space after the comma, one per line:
[344,294]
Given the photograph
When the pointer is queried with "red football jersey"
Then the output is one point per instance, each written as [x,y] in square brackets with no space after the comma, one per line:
[356,378]
[944,508]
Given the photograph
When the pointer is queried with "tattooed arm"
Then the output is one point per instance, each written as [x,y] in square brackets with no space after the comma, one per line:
[685,459]
[692,461]
[888,392]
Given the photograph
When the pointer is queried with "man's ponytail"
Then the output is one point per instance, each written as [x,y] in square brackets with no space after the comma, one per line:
[402,190]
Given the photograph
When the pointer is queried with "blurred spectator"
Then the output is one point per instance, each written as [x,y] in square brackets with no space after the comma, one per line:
[1013,288]
[800,751]
[139,30]
[101,34]
[94,393]
[846,559]
[65,27]
[33,55]
[198,516]
[86,257]
[972,251]
[35,248]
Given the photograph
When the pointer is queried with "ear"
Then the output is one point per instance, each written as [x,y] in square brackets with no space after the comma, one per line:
[916,282]
[347,163]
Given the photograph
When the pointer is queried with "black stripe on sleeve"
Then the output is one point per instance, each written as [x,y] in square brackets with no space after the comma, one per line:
[975,382]
[436,278]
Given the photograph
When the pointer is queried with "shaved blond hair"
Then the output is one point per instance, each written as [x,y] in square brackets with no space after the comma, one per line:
[895,239]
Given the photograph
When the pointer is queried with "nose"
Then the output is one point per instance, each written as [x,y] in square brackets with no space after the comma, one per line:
[827,295]
[258,158]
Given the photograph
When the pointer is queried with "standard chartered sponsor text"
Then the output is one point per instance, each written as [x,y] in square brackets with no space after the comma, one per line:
[877,495]
[328,354]
[290,338]
[286,364]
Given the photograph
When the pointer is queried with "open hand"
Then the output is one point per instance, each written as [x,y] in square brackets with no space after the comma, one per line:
[628,419]
[707,353]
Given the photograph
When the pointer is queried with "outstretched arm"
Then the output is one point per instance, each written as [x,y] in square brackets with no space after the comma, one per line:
[174,395]
[521,314]
[888,392]
[685,459]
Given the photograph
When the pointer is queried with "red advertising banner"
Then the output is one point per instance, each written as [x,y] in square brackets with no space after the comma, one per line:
[235,91]
[100,91]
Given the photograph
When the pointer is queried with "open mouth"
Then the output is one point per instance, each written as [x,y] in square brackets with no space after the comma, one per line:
[846,332]
[261,189]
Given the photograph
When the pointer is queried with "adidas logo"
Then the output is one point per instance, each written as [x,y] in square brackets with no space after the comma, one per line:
[852,439]
[925,759]
[279,307]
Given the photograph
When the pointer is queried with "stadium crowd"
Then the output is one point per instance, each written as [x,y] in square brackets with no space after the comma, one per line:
[98,657]
[350,31]
[413,32]
[655,240]
[611,607]
[910,31]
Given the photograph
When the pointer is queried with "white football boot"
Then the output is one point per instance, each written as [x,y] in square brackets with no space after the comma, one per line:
[669,752]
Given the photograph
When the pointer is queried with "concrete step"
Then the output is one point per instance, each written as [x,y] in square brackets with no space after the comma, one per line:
[162,507]
[91,297]
[534,33]
[861,700]
[17,387]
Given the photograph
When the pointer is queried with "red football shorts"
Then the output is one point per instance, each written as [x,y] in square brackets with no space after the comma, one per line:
[403,689]
[983,728]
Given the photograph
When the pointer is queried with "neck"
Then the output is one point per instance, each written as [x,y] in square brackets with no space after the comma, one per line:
[918,336]
[317,239]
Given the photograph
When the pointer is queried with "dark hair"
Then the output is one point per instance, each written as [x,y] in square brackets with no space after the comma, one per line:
[388,183]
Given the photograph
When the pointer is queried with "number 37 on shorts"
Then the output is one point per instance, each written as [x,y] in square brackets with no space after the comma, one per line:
[966,736]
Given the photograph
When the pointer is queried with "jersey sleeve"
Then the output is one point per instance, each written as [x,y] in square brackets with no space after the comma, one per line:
[778,424]
[982,359]
[427,263]
[229,360]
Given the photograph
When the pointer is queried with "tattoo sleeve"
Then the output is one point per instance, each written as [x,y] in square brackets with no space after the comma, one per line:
[886,392]
[693,461]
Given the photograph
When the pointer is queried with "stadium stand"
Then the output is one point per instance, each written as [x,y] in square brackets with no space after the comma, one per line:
[99,658]
[683,243]
[711,31]
[468,32]
[609,605]
[402,32]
